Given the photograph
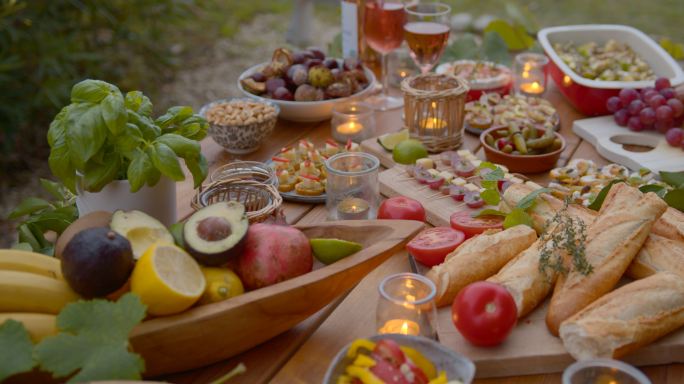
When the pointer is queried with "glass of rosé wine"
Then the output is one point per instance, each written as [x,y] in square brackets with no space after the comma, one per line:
[426,32]
[384,30]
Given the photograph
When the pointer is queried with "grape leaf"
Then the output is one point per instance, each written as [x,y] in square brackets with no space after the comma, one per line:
[16,349]
[675,199]
[490,196]
[93,341]
[528,201]
[675,179]
[518,217]
[598,201]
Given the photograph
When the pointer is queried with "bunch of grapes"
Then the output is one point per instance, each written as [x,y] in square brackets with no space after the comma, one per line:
[651,108]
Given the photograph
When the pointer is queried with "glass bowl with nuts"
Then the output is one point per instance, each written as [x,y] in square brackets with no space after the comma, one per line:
[240,125]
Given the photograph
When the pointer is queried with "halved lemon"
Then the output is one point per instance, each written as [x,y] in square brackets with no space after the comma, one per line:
[167,279]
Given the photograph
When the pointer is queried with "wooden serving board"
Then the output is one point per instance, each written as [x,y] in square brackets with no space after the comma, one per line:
[608,139]
[374,148]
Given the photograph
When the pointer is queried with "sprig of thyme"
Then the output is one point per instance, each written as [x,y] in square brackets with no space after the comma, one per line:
[564,235]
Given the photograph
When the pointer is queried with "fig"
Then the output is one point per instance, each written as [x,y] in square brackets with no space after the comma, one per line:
[351,63]
[251,86]
[298,74]
[259,77]
[306,92]
[339,89]
[317,53]
[331,63]
[301,57]
[274,83]
[320,76]
[216,233]
[283,93]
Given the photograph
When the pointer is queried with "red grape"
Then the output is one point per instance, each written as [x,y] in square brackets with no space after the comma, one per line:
[664,113]
[674,136]
[635,107]
[646,96]
[663,126]
[656,101]
[634,124]
[668,93]
[613,104]
[662,83]
[627,95]
[647,116]
[645,90]
[621,117]
[677,107]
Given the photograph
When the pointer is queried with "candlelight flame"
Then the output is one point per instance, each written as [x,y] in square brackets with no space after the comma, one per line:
[404,328]
[525,75]
[567,81]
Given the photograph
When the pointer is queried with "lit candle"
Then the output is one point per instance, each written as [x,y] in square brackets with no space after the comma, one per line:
[433,123]
[401,326]
[353,208]
[533,88]
[349,128]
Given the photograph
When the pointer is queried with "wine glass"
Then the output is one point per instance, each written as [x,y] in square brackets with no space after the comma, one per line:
[427,32]
[383,28]
[407,305]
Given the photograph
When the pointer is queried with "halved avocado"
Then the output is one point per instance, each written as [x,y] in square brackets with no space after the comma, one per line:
[216,233]
[141,229]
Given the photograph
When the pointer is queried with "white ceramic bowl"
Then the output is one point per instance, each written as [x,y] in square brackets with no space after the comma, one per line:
[456,366]
[305,111]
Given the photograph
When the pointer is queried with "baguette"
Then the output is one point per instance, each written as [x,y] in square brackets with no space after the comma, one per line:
[613,240]
[477,259]
[627,318]
[670,225]
[659,254]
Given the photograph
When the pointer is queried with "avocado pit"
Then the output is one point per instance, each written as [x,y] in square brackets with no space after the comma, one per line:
[214,229]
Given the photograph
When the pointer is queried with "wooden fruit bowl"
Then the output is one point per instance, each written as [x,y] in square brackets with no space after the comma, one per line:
[215,332]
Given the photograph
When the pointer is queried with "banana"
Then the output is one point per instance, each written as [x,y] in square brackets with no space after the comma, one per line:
[28,292]
[38,325]
[22,261]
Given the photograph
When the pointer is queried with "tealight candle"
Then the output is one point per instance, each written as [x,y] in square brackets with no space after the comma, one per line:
[352,121]
[533,88]
[433,123]
[530,73]
[406,305]
[349,128]
[401,326]
[353,208]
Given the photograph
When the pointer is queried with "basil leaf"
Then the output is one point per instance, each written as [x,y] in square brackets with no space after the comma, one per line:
[138,169]
[91,91]
[489,184]
[174,115]
[57,221]
[675,179]
[26,236]
[490,196]
[496,174]
[489,212]
[55,189]
[182,146]
[165,160]
[198,168]
[85,133]
[97,175]
[114,113]
[57,128]
[517,217]
[675,199]
[598,201]
[139,103]
[153,177]
[528,201]
[657,189]
[28,206]
[148,129]
[60,166]
[126,142]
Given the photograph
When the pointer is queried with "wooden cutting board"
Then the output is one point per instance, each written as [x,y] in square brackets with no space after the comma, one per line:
[373,147]
[608,138]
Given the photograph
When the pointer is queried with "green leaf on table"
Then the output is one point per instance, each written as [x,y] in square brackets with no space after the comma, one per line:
[138,102]
[490,212]
[98,174]
[55,189]
[515,36]
[490,196]
[91,91]
[495,49]
[528,201]
[657,189]
[675,199]
[598,201]
[28,206]
[465,47]
[198,168]
[93,341]
[166,161]
[182,146]
[86,132]
[114,113]
[138,170]
[518,217]
[674,179]
[16,354]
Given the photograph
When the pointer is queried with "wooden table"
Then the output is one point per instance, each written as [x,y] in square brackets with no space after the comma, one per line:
[302,354]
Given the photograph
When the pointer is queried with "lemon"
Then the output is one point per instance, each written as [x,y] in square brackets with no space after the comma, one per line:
[222,284]
[390,140]
[408,151]
[167,279]
[328,251]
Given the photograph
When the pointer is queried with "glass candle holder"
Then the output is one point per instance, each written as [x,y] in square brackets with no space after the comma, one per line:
[603,371]
[407,305]
[245,170]
[353,121]
[530,73]
[352,190]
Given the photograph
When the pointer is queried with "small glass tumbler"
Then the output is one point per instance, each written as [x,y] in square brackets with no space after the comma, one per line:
[352,190]
[353,121]
[603,371]
[407,306]
[530,73]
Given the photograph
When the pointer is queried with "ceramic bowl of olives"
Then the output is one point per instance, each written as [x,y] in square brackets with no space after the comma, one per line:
[523,149]
[306,84]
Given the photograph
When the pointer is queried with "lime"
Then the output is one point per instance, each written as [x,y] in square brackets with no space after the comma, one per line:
[328,251]
[390,140]
[408,151]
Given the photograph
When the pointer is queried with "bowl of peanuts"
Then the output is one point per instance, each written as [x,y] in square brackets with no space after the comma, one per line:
[240,125]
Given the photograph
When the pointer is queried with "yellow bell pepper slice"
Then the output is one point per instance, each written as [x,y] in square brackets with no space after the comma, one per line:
[357,344]
[421,361]
[441,379]
[364,361]
[366,376]
[344,379]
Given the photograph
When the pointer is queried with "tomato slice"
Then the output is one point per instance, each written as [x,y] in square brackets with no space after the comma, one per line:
[471,226]
[432,245]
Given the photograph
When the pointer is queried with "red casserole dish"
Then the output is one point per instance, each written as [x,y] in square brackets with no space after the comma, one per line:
[589,96]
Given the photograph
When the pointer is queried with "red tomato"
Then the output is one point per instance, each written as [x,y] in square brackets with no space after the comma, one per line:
[431,246]
[390,351]
[401,208]
[484,313]
[471,226]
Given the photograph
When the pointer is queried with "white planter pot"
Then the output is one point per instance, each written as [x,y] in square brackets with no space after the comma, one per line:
[158,201]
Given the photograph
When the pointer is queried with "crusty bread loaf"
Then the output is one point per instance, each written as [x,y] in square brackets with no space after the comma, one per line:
[477,259]
[670,225]
[626,319]
[659,254]
[613,240]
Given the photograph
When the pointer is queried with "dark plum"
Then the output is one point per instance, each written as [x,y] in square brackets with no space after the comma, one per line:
[298,74]
[283,93]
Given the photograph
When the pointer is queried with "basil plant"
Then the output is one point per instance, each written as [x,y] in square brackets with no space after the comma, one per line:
[104,136]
